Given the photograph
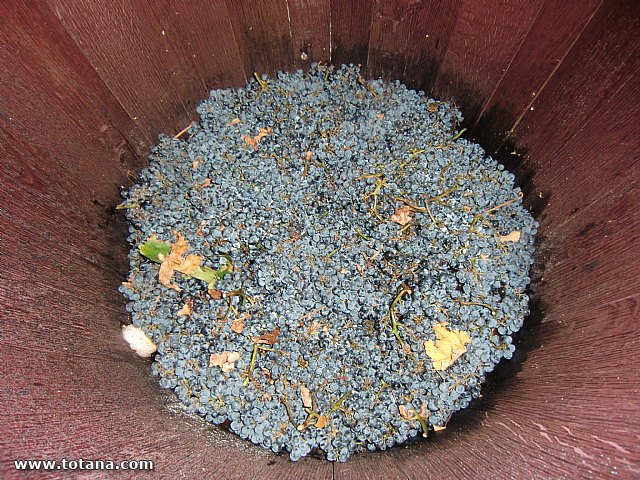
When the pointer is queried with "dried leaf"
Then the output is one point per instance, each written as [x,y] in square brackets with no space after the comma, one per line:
[253,141]
[438,428]
[206,183]
[238,326]
[510,237]
[233,357]
[195,163]
[321,422]
[235,121]
[199,232]
[402,216]
[404,413]
[225,360]
[308,155]
[380,116]
[166,274]
[306,397]
[269,338]
[313,328]
[186,309]
[449,346]
[432,107]
[215,294]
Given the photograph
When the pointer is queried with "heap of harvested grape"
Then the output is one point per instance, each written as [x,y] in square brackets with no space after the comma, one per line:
[324,264]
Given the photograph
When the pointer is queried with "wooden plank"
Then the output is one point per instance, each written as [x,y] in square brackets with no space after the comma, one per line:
[350,30]
[263,34]
[603,59]
[45,67]
[205,35]
[409,39]
[605,147]
[486,37]
[388,39]
[310,31]
[144,69]
[552,34]
[431,26]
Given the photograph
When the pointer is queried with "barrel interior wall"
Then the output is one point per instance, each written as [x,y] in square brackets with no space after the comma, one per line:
[550,88]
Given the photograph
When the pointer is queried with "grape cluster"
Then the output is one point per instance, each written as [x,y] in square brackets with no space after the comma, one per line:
[355,221]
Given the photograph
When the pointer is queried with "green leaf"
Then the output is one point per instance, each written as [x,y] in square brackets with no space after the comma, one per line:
[152,249]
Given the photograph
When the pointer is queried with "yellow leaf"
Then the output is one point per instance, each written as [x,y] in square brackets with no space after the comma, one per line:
[235,121]
[510,237]
[449,346]
[402,216]
[306,397]
[438,428]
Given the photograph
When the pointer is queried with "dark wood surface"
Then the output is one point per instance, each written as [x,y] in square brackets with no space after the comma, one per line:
[86,87]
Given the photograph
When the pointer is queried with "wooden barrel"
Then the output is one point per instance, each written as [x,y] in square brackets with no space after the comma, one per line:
[549,88]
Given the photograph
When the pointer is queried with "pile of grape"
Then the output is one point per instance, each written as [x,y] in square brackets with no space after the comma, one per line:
[324,264]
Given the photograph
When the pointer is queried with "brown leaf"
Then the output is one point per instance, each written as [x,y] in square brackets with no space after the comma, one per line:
[306,397]
[432,107]
[313,328]
[215,294]
[195,163]
[449,346]
[225,360]
[217,359]
[438,428]
[380,116]
[404,413]
[308,155]
[206,183]
[186,309]
[199,232]
[269,338]
[510,237]
[321,422]
[165,274]
[402,216]
[235,121]
[238,326]
[253,141]
[175,261]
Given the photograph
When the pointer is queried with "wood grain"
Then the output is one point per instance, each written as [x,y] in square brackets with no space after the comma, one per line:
[350,31]
[145,69]
[431,27]
[552,34]
[484,41]
[310,22]
[263,34]
[603,59]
